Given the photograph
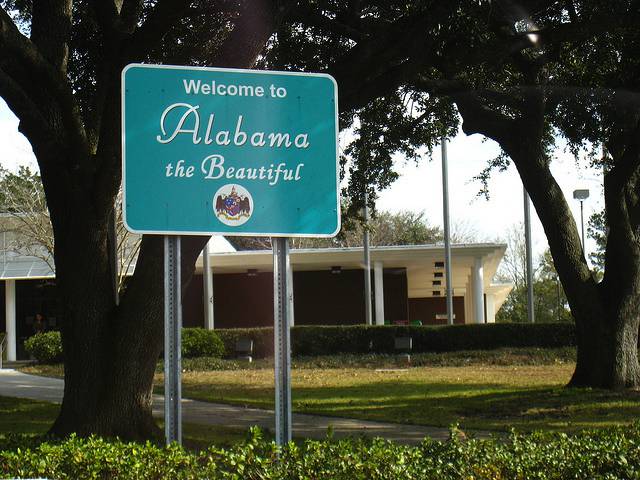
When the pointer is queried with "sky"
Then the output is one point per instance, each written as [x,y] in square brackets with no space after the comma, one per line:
[419,187]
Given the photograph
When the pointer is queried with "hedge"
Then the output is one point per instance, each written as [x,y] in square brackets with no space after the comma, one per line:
[354,339]
[329,340]
[196,342]
[605,454]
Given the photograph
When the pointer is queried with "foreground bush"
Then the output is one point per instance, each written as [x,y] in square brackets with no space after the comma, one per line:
[198,342]
[45,347]
[605,454]
[357,339]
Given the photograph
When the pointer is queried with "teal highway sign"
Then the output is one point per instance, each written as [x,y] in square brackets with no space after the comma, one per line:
[232,152]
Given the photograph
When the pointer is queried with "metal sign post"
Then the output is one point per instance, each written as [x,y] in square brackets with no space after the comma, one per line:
[172,340]
[447,231]
[282,305]
[231,152]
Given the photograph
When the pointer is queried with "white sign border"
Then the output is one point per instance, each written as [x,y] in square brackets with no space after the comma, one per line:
[226,233]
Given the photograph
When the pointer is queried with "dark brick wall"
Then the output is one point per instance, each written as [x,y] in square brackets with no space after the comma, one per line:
[396,304]
[320,298]
[425,310]
[325,298]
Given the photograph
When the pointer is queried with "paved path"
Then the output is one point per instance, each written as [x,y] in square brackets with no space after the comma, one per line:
[21,385]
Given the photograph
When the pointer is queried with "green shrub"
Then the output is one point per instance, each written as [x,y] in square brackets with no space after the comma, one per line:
[359,339]
[603,454]
[45,347]
[198,342]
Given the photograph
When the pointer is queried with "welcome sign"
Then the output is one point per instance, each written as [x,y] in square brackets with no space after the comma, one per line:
[233,152]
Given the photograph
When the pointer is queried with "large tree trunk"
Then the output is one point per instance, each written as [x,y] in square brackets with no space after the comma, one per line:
[607,314]
[608,339]
[111,352]
[607,350]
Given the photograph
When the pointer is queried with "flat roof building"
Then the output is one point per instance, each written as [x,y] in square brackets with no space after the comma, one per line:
[408,284]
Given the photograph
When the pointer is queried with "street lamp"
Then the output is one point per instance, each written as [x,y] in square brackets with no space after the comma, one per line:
[582,195]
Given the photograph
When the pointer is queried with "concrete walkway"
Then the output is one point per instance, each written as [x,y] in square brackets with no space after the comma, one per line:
[21,385]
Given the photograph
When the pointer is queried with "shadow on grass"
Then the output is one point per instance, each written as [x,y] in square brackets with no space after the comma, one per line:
[22,416]
[488,406]
[26,416]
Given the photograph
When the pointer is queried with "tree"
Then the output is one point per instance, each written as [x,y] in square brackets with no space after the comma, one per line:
[524,74]
[549,300]
[385,228]
[514,264]
[574,74]
[597,230]
[403,69]
[26,217]
[26,220]
[60,64]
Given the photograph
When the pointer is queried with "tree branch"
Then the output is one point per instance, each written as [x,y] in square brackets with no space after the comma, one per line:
[479,118]
[155,27]
[107,15]
[312,17]
[130,14]
[44,84]
[51,31]
[32,123]
[254,25]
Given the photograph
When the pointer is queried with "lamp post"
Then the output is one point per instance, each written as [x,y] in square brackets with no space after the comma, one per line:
[581,195]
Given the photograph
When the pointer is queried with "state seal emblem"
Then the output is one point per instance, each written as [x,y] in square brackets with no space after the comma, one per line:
[232,205]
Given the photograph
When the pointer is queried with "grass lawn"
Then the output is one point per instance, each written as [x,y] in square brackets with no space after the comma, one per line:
[487,398]
[479,390]
[18,415]
[26,416]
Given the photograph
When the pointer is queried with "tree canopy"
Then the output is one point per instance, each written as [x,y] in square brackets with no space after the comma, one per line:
[521,73]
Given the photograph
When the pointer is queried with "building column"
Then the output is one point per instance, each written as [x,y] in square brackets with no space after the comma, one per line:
[468,299]
[491,308]
[10,316]
[207,288]
[477,281]
[378,277]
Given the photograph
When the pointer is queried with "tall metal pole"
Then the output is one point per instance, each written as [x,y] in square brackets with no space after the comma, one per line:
[172,340]
[529,257]
[447,232]
[367,263]
[207,288]
[582,222]
[282,309]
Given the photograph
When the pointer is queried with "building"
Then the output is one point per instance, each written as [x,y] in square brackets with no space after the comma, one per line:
[408,287]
